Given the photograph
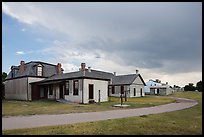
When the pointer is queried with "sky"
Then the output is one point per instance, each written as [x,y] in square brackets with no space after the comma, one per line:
[163,40]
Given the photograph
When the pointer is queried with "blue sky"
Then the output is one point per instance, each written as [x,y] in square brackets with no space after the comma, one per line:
[162,40]
[20,42]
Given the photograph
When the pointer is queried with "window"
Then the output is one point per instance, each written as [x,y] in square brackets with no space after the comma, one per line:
[113,90]
[66,88]
[50,90]
[76,87]
[134,92]
[39,70]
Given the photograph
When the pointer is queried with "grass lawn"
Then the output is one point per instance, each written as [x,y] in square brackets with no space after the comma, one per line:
[15,108]
[182,122]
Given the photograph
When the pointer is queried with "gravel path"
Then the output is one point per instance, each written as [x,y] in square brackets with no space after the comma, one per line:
[48,120]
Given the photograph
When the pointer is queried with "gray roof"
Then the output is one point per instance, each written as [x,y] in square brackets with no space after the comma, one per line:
[94,74]
[30,70]
[125,79]
[50,72]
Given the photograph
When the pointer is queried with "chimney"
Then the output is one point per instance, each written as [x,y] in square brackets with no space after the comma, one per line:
[114,73]
[137,71]
[22,67]
[83,65]
[89,69]
[59,69]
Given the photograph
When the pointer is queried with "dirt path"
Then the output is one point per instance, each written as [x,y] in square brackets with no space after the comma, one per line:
[48,120]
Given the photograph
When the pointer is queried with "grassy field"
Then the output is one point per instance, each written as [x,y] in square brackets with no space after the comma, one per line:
[182,122]
[15,108]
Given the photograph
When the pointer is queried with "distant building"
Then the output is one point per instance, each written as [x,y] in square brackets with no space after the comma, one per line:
[151,83]
[155,87]
[162,90]
[131,85]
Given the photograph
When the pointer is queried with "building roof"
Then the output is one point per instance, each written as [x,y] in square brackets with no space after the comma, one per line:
[94,74]
[51,76]
[125,79]
[30,70]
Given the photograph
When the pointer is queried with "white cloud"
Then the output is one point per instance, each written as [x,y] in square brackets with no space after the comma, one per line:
[23,53]
[114,37]
[23,29]
[18,11]
[20,53]
[69,67]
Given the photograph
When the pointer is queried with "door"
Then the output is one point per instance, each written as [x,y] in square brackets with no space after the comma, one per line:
[122,89]
[91,92]
[45,91]
[157,91]
[61,91]
[141,92]
[42,92]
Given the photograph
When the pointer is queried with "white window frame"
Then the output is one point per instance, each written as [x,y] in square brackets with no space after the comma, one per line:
[39,70]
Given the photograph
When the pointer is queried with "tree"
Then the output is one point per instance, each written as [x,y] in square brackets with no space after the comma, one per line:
[199,86]
[4,75]
[175,86]
[189,87]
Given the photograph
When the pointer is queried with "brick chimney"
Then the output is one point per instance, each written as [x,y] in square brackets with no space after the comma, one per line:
[59,69]
[83,66]
[22,67]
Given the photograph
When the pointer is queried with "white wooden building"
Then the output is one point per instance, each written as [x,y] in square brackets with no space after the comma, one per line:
[83,86]
[131,85]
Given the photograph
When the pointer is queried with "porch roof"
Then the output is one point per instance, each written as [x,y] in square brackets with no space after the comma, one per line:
[51,82]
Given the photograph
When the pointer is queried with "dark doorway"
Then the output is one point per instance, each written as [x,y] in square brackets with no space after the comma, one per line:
[90,91]
[141,92]
[122,89]
[61,91]
[45,91]
[42,92]
[35,92]
[157,91]
[113,89]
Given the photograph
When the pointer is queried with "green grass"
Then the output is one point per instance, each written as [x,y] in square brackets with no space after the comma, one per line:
[182,122]
[15,108]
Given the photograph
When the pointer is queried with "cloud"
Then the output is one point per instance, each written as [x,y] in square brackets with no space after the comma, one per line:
[28,52]
[161,39]
[23,29]
[20,53]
